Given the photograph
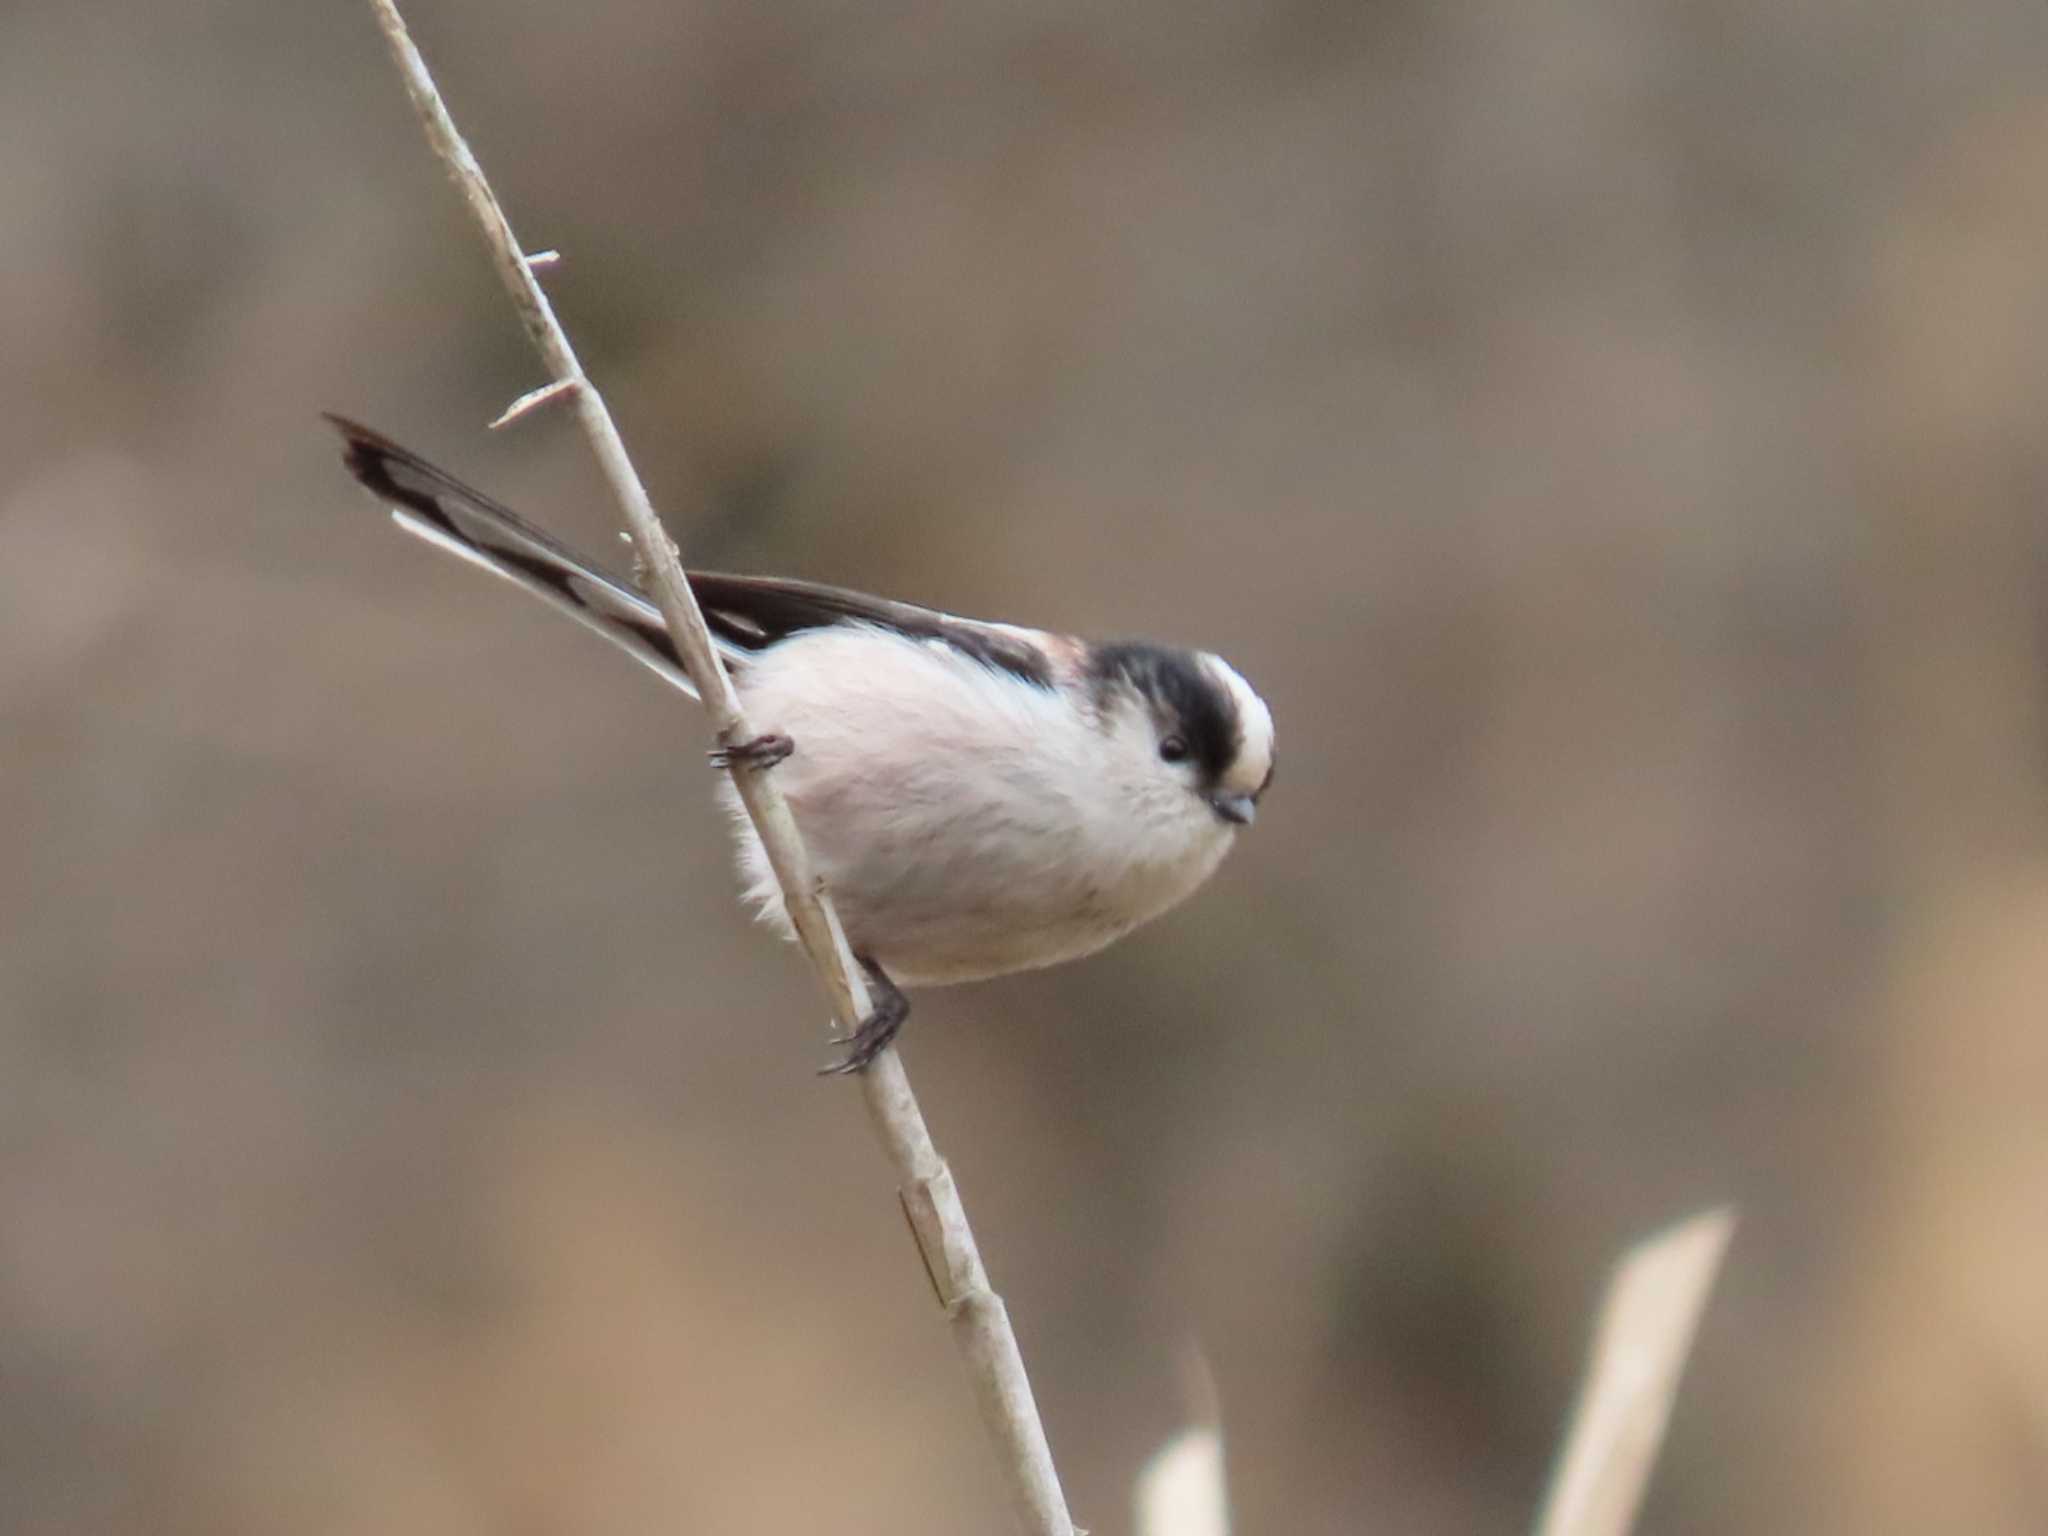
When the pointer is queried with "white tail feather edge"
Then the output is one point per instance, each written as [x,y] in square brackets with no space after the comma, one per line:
[601,592]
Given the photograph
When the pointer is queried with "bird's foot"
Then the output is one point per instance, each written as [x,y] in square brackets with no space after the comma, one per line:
[885,1018]
[761,753]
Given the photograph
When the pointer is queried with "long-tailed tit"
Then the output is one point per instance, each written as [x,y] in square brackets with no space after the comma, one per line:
[979,798]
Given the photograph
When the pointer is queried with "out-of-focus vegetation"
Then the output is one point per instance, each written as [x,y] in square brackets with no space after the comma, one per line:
[1609,435]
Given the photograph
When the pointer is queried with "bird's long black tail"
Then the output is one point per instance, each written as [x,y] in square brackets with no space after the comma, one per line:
[433,505]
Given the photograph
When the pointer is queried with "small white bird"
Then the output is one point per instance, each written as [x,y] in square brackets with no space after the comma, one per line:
[979,798]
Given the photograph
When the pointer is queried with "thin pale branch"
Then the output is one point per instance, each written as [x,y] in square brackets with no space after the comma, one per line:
[979,1322]
[1646,1329]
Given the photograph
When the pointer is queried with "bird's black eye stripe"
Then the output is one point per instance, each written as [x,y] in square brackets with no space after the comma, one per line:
[1186,699]
[1173,750]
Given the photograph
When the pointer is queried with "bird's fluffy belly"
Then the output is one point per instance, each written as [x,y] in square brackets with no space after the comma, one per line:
[938,884]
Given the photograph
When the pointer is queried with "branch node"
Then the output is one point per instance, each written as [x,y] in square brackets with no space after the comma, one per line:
[917,1241]
[643,573]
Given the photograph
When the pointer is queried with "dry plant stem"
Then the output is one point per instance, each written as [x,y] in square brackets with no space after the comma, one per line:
[1182,1491]
[979,1322]
[1646,1327]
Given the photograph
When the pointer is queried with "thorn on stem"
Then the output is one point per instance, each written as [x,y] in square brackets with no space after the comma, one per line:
[533,399]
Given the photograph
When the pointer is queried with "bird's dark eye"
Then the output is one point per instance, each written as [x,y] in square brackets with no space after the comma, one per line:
[1174,749]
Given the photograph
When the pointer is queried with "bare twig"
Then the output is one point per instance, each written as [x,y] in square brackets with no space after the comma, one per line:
[1181,1489]
[1646,1326]
[980,1323]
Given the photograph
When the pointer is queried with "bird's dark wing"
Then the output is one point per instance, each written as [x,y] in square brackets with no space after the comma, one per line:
[755,611]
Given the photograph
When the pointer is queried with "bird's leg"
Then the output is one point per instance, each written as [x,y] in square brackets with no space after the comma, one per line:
[762,752]
[890,1009]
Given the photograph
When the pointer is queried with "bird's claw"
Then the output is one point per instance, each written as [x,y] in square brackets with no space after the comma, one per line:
[762,752]
[880,1027]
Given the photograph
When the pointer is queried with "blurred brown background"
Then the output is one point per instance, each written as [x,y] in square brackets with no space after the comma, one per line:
[1609,434]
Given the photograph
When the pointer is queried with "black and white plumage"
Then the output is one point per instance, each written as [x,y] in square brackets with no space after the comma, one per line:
[980,798]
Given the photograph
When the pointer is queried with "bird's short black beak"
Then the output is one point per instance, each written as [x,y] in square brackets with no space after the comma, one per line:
[1238,810]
